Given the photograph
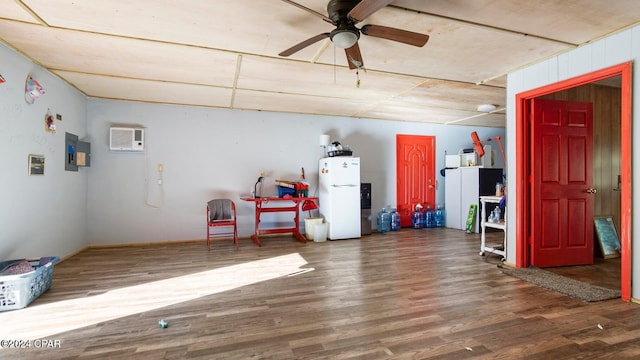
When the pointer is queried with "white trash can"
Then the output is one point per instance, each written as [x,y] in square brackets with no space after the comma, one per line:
[320,232]
[309,223]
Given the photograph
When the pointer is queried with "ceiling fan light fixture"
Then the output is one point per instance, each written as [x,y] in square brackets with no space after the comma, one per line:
[487,108]
[344,39]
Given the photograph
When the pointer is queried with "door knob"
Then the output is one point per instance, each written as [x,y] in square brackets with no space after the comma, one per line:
[591,191]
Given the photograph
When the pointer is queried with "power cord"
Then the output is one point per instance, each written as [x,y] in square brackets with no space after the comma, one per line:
[488,253]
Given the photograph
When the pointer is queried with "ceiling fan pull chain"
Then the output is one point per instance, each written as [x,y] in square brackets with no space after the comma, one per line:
[358,78]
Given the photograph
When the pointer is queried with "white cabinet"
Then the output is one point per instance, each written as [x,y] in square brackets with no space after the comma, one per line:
[463,187]
[454,218]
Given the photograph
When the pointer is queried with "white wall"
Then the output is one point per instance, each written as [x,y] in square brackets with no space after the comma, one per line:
[206,153]
[210,153]
[613,50]
[39,215]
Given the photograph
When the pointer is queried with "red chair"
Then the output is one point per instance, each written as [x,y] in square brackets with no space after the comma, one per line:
[221,213]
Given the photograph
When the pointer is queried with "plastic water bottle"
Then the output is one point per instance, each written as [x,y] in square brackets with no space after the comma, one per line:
[497,214]
[384,221]
[439,216]
[429,222]
[492,217]
[395,220]
[417,218]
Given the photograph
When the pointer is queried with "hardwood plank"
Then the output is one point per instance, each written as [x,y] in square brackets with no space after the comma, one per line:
[411,294]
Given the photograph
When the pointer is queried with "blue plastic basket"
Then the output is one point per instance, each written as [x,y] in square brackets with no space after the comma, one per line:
[282,191]
[18,291]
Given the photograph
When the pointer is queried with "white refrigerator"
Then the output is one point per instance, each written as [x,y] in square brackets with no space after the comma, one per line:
[339,196]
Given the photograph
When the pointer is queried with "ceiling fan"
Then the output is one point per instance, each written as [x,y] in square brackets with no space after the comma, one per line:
[344,15]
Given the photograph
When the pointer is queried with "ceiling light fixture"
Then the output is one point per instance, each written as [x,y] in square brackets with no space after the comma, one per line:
[345,36]
[344,39]
[487,108]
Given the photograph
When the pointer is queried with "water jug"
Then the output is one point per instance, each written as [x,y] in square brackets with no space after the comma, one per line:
[439,216]
[384,221]
[429,221]
[417,218]
[395,220]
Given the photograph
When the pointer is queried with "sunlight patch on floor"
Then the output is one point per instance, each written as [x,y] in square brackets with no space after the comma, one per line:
[38,321]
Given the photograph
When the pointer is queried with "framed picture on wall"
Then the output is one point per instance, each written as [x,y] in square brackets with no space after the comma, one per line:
[36,164]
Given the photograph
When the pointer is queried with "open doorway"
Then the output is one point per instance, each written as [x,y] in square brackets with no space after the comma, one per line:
[577,87]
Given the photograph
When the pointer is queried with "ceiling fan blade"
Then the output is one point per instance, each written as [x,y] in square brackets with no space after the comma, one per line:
[389,33]
[295,48]
[366,8]
[322,16]
[354,57]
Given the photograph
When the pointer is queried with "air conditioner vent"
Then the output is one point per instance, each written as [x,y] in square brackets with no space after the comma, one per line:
[126,139]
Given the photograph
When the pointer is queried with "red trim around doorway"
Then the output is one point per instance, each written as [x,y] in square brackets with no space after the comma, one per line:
[523,158]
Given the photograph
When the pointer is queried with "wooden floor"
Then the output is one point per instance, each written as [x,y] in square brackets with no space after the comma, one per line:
[416,294]
[604,272]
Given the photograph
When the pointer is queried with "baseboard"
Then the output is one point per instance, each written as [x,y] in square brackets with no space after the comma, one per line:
[137,244]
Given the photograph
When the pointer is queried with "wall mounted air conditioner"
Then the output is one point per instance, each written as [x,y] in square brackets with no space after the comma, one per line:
[126,139]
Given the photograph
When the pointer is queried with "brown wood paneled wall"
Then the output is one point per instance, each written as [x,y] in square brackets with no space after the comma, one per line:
[606,143]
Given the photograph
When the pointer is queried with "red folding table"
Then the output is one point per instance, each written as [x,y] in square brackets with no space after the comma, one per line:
[276,204]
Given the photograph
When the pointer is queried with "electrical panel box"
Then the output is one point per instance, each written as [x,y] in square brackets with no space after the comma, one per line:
[70,144]
[83,154]
[126,139]
[77,153]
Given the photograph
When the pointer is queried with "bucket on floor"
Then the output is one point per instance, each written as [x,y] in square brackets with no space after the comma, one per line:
[309,224]
[320,232]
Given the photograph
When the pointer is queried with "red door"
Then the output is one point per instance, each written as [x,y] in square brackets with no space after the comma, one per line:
[562,182]
[415,174]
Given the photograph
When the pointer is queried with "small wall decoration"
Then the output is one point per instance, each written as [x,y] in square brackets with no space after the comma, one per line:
[49,124]
[36,164]
[1,79]
[32,90]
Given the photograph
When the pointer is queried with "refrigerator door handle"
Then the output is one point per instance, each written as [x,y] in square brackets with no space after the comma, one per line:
[344,185]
